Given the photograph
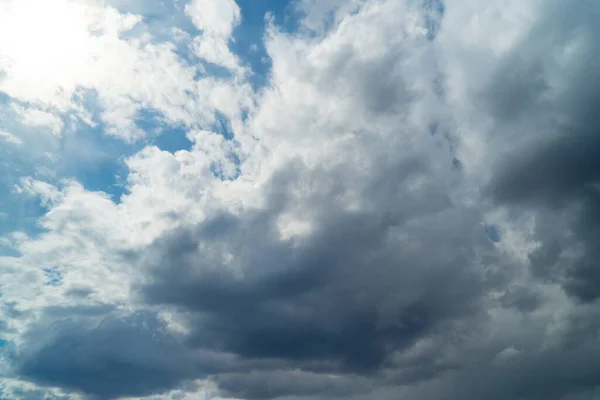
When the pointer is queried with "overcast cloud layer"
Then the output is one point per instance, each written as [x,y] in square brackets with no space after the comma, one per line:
[300,200]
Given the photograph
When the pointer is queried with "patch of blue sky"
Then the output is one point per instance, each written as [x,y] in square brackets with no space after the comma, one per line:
[6,251]
[493,233]
[8,348]
[172,138]
[53,276]
[248,41]
[222,126]
[165,136]
[19,212]
[94,159]
[434,13]
[82,152]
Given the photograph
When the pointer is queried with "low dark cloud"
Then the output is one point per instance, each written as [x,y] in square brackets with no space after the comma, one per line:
[521,298]
[112,358]
[556,173]
[559,182]
[274,384]
[343,300]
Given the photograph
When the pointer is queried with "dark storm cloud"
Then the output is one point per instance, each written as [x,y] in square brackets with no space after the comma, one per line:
[556,174]
[560,181]
[266,385]
[565,169]
[537,376]
[130,356]
[362,286]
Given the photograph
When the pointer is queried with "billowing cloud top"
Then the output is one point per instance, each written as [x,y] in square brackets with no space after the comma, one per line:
[300,200]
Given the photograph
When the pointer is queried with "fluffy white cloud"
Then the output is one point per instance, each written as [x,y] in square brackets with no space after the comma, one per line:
[216,19]
[66,48]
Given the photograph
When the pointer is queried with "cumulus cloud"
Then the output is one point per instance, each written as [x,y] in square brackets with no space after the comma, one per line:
[69,48]
[406,209]
[214,17]
[216,20]
[556,174]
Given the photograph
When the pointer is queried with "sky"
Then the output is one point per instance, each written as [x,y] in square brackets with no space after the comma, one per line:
[299,200]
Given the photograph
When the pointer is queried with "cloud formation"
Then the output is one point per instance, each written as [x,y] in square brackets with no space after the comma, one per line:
[407,208]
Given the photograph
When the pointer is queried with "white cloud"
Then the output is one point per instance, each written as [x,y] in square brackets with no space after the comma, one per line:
[10,138]
[55,47]
[39,118]
[48,193]
[214,17]
[69,45]
[216,50]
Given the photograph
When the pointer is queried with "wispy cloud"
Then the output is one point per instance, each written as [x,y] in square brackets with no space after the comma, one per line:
[10,138]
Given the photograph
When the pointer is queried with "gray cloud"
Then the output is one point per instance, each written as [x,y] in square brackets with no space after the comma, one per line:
[265,385]
[115,357]
[362,286]
[556,175]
